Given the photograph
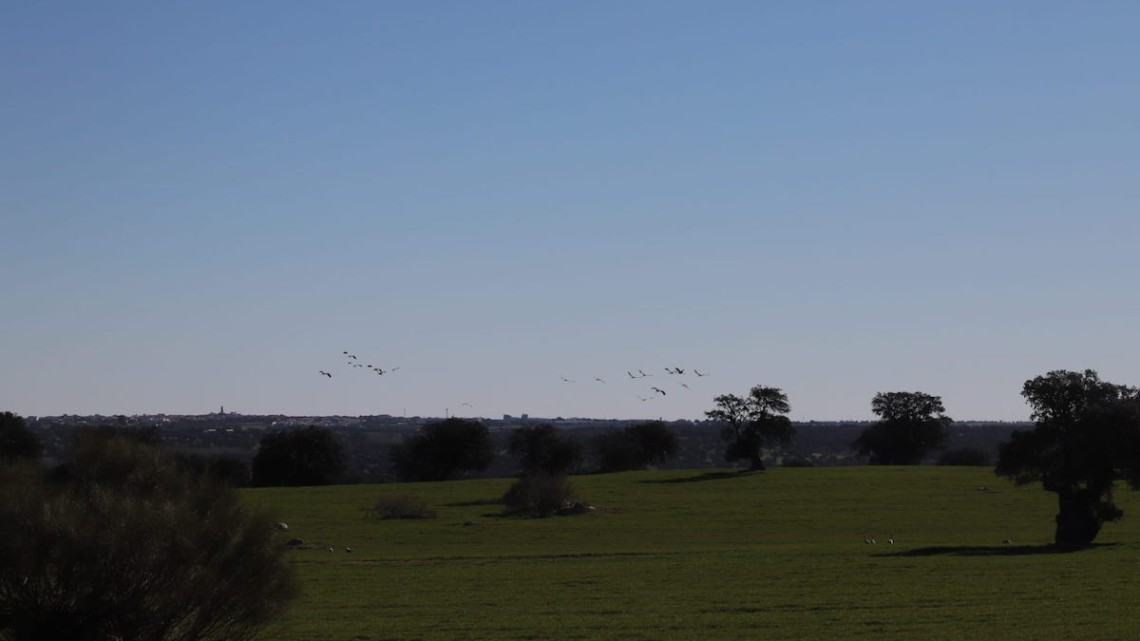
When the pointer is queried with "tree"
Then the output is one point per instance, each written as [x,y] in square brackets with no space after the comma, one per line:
[124,543]
[307,456]
[443,450]
[635,447]
[1086,437]
[17,441]
[753,423]
[541,448]
[911,425]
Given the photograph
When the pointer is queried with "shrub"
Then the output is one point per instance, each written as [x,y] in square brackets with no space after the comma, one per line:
[124,543]
[538,494]
[402,507]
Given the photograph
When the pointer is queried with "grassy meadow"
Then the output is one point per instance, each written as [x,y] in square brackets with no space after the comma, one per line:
[693,554]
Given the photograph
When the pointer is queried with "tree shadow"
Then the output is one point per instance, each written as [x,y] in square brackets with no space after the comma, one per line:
[707,476]
[995,550]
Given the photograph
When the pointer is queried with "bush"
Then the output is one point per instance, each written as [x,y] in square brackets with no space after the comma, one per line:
[402,507]
[124,543]
[538,494]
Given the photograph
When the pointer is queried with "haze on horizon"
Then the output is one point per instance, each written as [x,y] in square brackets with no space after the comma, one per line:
[206,204]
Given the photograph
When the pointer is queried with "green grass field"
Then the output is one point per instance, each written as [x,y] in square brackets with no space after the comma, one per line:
[689,555]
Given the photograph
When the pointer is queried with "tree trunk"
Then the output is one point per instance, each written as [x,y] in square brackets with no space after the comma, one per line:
[757,463]
[1078,522]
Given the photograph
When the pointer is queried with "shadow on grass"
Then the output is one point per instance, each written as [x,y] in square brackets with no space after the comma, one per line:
[707,476]
[478,503]
[995,550]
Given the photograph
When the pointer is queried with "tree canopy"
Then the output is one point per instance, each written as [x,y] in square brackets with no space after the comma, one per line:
[753,423]
[1086,437]
[443,450]
[911,425]
[635,447]
[125,543]
[542,448]
[17,441]
[307,456]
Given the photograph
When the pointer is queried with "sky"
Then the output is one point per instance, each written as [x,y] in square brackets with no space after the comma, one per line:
[205,204]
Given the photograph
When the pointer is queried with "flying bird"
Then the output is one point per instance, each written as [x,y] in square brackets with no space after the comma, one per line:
[658,390]
[324,373]
[685,385]
[698,373]
[643,374]
[598,379]
[566,380]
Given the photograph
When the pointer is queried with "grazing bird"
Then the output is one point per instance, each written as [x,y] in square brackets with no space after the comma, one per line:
[869,540]
[658,390]
[330,548]
[347,549]
[324,373]
[891,539]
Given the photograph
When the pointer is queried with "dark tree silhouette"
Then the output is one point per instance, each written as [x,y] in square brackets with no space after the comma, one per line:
[542,448]
[636,447]
[125,543]
[17,441]
[308,456]
[1086,437]
[911,425]
[753,423]
[443,450]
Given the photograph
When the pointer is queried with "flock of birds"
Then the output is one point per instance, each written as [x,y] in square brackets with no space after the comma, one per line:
[352,361]
[654,391]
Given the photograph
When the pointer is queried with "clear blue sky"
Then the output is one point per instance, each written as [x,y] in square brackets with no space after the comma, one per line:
[205,203]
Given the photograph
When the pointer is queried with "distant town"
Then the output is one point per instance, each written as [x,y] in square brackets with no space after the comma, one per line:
[368,438]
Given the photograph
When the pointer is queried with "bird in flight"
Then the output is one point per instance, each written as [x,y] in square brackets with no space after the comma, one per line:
[566,380]
[352,356]
[658,390]
[324,373]
[598,379]
[698,373]
[685,385]
[643,374]
[630,374]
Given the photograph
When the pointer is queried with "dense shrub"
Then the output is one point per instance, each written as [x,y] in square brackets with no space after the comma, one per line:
[401,507]
[125,543]
[538,494]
